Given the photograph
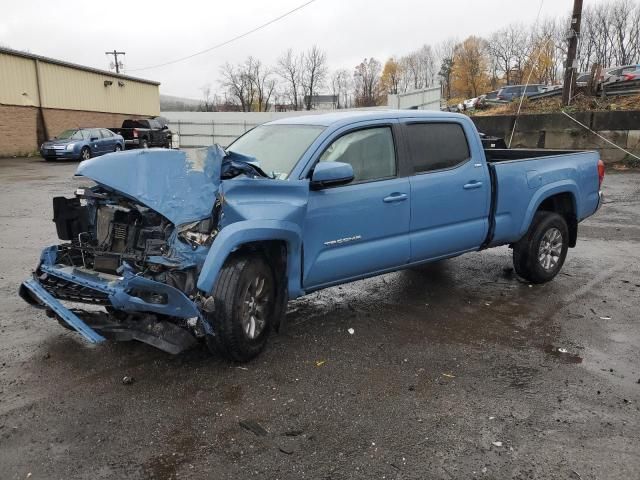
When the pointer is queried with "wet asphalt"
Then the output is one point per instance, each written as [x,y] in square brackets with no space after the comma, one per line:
[459,371]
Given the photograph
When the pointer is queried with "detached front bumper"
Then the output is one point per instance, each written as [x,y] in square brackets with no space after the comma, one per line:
[149,300]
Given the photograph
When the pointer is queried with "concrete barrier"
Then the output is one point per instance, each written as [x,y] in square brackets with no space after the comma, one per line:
[555,130]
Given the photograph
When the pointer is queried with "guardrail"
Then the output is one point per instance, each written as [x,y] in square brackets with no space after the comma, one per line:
[629,87]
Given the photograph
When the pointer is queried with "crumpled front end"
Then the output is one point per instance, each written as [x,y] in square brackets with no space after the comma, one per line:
[133,249]
[136,307]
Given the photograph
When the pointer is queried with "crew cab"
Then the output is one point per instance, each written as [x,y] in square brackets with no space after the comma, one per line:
[145,132]
[210,245]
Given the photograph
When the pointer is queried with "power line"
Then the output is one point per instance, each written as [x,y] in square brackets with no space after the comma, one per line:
[227,42]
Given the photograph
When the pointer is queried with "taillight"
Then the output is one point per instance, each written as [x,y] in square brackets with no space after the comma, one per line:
[600,172]
[135,133]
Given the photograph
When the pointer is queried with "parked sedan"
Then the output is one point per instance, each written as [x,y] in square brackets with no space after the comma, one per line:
[81,144]
[511,92]
[621,74]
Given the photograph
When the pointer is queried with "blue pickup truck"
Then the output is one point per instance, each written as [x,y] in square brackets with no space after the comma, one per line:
[175,247]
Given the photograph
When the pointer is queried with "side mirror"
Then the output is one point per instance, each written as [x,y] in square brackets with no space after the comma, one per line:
[165,127]
[331,174]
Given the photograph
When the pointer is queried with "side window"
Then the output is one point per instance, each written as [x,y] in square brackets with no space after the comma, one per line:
[370,152]
[94,133]
[436,146]
[106,133]
[532,88]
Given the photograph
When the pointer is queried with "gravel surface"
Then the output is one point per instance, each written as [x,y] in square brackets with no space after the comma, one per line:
[458,371]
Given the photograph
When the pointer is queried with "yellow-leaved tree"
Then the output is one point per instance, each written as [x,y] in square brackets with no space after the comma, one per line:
[470,76]
[391,75]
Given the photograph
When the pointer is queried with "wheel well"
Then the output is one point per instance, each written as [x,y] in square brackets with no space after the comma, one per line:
[275,253]
[564,205]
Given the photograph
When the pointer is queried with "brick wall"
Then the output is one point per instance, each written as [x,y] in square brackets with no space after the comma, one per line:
[19,126]
[18,130]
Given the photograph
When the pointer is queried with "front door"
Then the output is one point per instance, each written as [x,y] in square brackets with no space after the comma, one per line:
[361,228]
[450,190]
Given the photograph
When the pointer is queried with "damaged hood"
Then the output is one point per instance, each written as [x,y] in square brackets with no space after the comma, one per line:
[178,185]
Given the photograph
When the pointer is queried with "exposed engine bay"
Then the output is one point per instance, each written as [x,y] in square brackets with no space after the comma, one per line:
[106,230]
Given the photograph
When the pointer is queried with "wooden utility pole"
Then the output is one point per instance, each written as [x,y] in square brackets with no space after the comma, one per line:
[571,67]
[115,58]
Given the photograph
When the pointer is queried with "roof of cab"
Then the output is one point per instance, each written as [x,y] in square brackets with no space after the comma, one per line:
[352,116]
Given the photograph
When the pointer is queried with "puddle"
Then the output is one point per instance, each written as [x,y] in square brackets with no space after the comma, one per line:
[562,354]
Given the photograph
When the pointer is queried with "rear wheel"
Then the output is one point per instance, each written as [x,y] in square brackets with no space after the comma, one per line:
[244,307]
[85,154]
[144,143]
[540,254]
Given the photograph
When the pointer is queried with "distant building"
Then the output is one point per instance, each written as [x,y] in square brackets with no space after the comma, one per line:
[40,97]
[322,102]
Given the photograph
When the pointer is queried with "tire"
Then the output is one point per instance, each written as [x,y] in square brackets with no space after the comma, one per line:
[244,307]
[144,143]
[118,148]
[540,254]
[85,154]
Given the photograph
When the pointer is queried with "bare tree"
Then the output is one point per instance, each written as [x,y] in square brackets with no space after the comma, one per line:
[314,74]
[208,102]
[289,67]
[366,79]
[340,83]
[262,83]
[237,85]
[506,47]
[445,51]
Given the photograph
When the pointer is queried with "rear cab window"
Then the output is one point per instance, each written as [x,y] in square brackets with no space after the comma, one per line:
[436,146]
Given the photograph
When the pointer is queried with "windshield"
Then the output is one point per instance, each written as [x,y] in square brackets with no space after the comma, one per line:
[277,148]
[70,134]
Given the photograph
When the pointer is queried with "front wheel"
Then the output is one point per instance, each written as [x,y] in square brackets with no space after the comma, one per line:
[244,307]
[540,254]
[118,148]
[85,154]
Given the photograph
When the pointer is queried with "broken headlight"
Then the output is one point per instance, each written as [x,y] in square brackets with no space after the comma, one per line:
[198,234]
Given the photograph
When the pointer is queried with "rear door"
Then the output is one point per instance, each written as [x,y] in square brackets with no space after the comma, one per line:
[108,139]
[361,228]
[450,190]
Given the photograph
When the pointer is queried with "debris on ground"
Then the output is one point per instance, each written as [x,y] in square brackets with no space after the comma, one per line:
[496,444]
[127,380]
[605,318]
[449,375]
[351,331]
[319,363]
[285,449]
[254,427]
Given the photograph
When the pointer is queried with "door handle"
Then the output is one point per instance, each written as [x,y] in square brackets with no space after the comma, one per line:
[472,184]
[395,197]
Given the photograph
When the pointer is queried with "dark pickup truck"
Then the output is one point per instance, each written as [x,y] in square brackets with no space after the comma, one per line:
[145,133]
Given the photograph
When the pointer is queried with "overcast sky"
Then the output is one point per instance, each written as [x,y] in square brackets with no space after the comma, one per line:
[156,31]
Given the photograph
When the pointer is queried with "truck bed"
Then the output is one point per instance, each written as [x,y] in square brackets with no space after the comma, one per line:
[522,178]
